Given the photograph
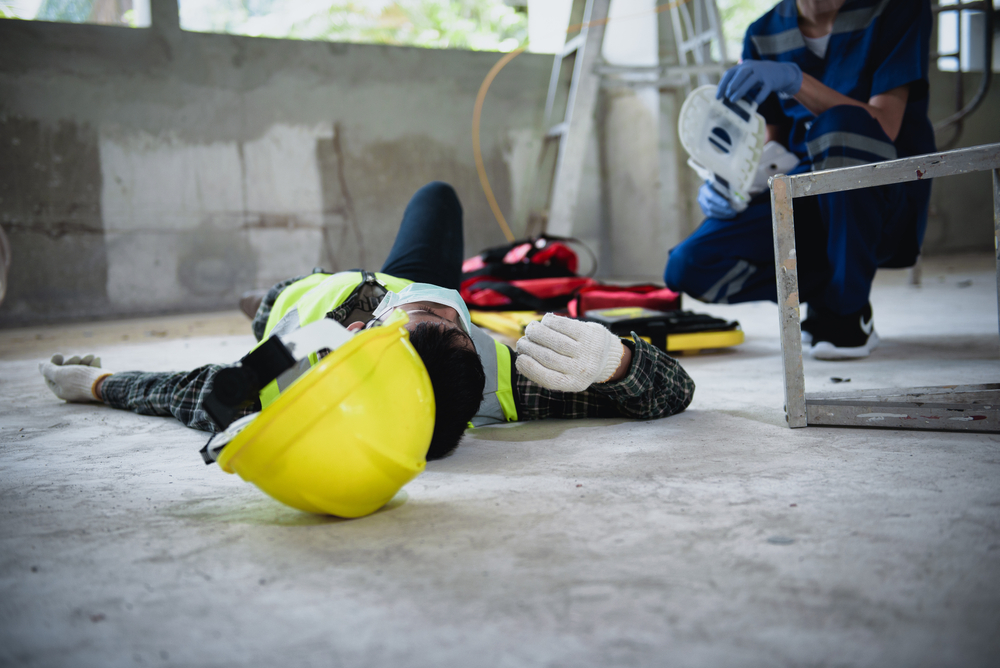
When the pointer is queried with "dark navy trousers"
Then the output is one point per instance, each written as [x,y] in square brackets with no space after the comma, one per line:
[841,238]
[429,247]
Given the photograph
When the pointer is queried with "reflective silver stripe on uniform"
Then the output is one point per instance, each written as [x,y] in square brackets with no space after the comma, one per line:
[733,282]
[844,139]
[772,45]
[490,411]
[858,19]
[293,373]
[288,323]
[838,161]
[737,285]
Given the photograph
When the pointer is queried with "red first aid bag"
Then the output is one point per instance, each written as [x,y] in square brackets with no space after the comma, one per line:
[532,294]
[598,296]
[537,274]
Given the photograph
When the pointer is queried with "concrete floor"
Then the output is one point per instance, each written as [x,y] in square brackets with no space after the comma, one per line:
[714,538]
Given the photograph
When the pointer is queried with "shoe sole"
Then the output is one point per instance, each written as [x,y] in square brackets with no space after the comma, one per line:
[824,350]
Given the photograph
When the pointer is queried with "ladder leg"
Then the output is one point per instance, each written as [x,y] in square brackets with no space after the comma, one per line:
[573,147]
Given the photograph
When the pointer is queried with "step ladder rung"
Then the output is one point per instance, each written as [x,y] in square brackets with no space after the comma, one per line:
[572,45]
[696,41]
[558,130]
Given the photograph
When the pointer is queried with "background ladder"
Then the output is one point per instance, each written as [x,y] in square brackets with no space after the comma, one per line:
[700,53]
[572,133]
[697,29]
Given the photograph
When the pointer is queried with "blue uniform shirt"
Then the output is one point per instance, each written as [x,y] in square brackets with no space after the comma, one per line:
[875,46]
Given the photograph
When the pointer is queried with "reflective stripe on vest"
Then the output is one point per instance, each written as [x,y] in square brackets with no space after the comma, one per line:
[498,395]
[312,297]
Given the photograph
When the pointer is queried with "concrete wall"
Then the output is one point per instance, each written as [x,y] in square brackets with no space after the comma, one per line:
[961,212]
[156,170]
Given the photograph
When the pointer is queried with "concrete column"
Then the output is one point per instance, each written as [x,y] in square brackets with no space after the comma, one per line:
[165,15]
[631,146]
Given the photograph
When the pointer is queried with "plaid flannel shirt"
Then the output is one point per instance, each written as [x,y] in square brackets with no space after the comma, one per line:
[655,386]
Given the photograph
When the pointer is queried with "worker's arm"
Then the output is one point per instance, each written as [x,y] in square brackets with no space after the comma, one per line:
[181,394]
[760,78]
[654,385]
[886,108]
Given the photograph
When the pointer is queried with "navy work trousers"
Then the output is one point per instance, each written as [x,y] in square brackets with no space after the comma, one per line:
[841,238]
[429,246]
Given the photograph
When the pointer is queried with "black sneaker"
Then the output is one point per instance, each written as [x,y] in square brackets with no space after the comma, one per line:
[250,302]
[809,325]
[845,337]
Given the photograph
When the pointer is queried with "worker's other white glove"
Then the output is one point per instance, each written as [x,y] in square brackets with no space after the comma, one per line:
[73,379]
[568,355]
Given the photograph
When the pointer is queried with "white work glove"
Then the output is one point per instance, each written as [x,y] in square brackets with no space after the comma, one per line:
[568,355]
[73,379]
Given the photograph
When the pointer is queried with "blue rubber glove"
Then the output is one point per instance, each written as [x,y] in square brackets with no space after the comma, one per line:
[767,76]
[713,204]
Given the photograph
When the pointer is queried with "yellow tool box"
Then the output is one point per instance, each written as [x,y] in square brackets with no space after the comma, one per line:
[672,331]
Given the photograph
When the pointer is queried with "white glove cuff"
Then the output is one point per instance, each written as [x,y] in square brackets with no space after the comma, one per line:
[612,361]
[73,382]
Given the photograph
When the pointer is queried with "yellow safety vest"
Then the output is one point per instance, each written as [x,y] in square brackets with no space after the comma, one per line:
[311,298]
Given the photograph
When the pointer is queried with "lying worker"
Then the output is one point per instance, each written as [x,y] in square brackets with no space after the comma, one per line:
[839,84]
[563,368]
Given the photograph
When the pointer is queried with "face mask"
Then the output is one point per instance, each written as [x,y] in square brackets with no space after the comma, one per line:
[425,292]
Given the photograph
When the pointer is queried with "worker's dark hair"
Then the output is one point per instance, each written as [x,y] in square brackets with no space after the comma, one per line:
[458,379]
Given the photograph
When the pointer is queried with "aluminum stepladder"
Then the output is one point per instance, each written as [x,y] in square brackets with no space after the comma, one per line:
[697,38]
[571,134]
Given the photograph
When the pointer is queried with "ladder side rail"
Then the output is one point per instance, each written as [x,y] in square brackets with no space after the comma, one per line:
[699,16]
[556,133]
[677,23]
[715,25]
[685,14]
[573,145]
[686,47]
[568,48]
[550,98]
[574,85]
[702,48]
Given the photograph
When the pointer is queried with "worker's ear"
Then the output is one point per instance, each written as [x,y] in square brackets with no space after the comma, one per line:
[355,326]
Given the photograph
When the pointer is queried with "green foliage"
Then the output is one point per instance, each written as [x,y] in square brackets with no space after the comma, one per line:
[72,11]
[486,25]
[737,15]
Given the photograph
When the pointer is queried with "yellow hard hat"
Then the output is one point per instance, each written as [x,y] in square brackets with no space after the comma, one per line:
[348,434]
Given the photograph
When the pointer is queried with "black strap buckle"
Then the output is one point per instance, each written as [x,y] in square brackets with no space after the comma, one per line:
[236,387]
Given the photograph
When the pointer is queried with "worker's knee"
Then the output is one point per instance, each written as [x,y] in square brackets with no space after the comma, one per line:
[680,266]
[438,194]
[846,118]
[845,136]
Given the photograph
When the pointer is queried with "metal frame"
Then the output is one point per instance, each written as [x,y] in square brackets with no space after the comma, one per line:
[907,408]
